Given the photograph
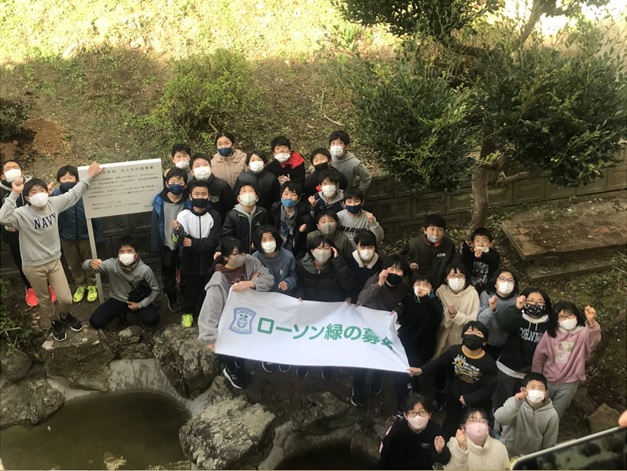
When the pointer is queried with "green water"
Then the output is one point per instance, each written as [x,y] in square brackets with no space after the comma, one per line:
[139,427]
[333,456]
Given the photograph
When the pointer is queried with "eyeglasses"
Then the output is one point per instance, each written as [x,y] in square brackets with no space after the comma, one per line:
[413,413]
[508,280]
[535,303]
[566,315]
[474,420]
[460,276]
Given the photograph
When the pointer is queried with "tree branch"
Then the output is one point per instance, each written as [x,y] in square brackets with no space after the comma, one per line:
[534,16]
[504,179]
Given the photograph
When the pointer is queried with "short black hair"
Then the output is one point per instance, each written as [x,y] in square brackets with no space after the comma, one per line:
[341,135]
[197,156]
[180,148]
[480,326]
[315,241]
[33,182]
[471,411]
[280,141]
[176,172]
[227,246]
[250,184]
[535,377]
[416,398]
[293,186]
[354,193]
[458,267]
[261,230]
[366,238]
[393,260]
[330,174]
[421,276]
[4,162]
[327,212]
[198,183]
[226,134]
[259,154]
[481,231]
[322,151]
[127,241]
[436,220]
[71,169]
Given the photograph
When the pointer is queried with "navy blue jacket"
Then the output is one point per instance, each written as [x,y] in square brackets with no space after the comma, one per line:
[73,223]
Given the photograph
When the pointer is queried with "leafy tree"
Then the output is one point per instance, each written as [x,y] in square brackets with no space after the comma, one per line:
[524,105]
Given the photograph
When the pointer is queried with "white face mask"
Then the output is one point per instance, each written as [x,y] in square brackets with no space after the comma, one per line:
[237,261]
[418,423]
[282,157]
[534,396]
[256,166]
[268,247]
[456,284]
[39,200]
[434,239]
[477,432]
[336,151]
[126,259]
[329,190]
[568,324]
[182,164]
[417,290]
[12,174]
[484,249]
[321,255]
[504,287]
[366,254]
[248,199]
[202,173]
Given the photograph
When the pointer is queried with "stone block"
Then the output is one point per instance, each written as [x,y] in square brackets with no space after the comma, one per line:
[551,192]
[603,418]
[617,178]
[500,196]
[140,222]
[597,186]
[458,201]
[527,191]
[382,186]
[393,210]
[116,225]
[427,203]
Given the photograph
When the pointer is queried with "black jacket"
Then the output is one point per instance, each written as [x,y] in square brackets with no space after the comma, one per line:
[480,269]
[222,200]
[419,319]
[431,258]
[297,243]
[265,182]
[332,284]
[242,226]
[11,238]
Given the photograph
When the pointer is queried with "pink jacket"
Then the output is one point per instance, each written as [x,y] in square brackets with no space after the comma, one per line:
[562,359]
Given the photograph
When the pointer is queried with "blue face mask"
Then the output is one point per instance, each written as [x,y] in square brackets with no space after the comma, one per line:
[225,151]
[353,209]
[67,186]
[288,203]
[176,189]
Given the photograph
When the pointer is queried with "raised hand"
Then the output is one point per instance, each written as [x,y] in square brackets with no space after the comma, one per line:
[460,436]
[591,314]
[94,169]
[18,185]
[492,303]
[438,443]
[520,301]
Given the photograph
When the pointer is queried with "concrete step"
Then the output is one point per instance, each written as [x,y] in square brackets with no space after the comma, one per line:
[554,267]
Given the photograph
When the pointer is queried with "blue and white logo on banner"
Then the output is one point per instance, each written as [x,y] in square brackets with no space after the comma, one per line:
[242,320]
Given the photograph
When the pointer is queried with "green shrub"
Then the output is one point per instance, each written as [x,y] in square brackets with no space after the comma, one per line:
[15,326]
[12,117]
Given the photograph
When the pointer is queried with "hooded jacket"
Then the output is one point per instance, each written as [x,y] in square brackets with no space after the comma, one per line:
[420,319]
[332,283]
[298,241]
[497,336]
[229,168]
[294,168]
[204,230]
[525,429]
[325,204]
[492,455]
[354,171]
[73,223]
[525,333]
[480,269]
[431,258]
[217,290]
[467,304]
[221,196]
[362,271]
[242,225]
[158,222]
[266,183]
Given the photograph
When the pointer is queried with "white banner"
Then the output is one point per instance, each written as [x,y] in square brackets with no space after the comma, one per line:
[277,328]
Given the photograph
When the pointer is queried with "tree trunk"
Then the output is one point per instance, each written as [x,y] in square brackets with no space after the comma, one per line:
[480,201]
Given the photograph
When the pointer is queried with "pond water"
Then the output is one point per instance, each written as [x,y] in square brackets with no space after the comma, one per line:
[331,456]
[100,431]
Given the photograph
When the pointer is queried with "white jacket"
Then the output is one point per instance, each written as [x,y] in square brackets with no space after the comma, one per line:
[492,455]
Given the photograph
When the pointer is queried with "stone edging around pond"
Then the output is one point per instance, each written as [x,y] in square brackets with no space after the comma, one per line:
[226,431]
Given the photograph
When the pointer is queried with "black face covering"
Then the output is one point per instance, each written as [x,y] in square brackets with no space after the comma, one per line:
[393,279]
[533,310]
[321,167]
[200,202]
[472,341]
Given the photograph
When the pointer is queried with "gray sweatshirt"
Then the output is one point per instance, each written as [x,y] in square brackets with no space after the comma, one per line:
[122,282]
[352,225]
[497,336]
[354,171]
[39,228]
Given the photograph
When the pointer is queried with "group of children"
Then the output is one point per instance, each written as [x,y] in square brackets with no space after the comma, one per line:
[491,356]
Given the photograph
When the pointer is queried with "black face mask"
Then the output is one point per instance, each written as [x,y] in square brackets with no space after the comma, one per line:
[393,279]
[533,310]
[66,186]
[200,203]
[321,167]
[472,342]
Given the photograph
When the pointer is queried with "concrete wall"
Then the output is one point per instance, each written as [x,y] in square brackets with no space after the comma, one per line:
[396,208]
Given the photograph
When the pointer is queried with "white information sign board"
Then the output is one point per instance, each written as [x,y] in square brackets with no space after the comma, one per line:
[123,188]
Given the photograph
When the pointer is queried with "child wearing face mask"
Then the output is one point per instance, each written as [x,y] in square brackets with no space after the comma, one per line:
[267,185]
[198,231]
[221,192]
[330,197]
[228,163]
[501,292]
[180,156]
[471,375]
[528,419]
[415,441]
[291,217]
[473,446]
[345,161]
[287,165]
[480,258]
[562,352]
[75,238]
[364,262]
[126,272]
[40,245]
[320,161]
[433,251]
[165,207]
[354,219]
[237,271]
[525,323]
[242,221]
[327,225]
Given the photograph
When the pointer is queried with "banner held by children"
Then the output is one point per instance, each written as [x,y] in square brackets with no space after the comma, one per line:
[277,328]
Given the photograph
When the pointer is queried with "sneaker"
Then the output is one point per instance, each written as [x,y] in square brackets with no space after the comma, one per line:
[357,399]
[235,378]
[79,294]
[172,304]
[187,320]
[327,372]
[302,371]
[376,385]
[397,416]
[58,332]
[73,323]
[284,368]
[53,295]
[92,294]
[268,367]
[31,299]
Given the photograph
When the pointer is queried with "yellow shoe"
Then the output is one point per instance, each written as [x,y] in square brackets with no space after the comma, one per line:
[79,294]
[187,320]
[92,294]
